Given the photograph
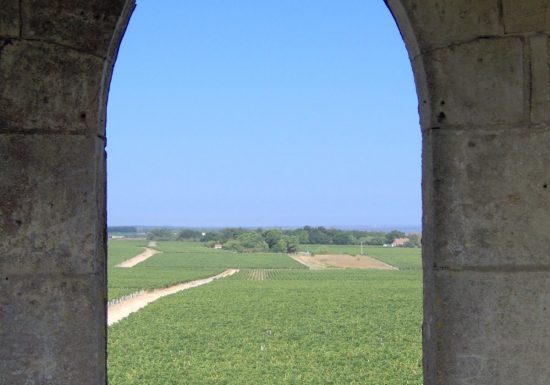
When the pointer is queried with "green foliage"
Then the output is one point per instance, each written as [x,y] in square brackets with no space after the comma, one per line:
[394,234]
[279,247]
[343,327]
[191,255]
[121,250]
[122,229]
[272,237]
[415,239]
[253,242]
[376,241]
[161,234]
[292,244]
[305,235]
[188,234]
[125,281]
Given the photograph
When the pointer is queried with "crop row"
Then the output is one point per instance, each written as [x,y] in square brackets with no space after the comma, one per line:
[189,257]
[339,328]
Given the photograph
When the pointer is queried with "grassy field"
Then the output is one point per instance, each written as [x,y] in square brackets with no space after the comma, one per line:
[210,258]
[125,281]
[403,258]
[272,323]
[119,251]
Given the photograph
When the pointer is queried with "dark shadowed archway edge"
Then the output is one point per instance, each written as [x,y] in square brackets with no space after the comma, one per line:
[481,70]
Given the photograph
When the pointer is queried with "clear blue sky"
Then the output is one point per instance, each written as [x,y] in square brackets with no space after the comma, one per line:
[263,113]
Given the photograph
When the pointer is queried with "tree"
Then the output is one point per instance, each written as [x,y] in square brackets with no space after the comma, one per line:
[279,247]
[161,234]
[319,236]
[292,244]
[272,237]
[376,241]
[233,245]
[415,239]
[188,234]
[252,242]
[394,234]
[409,244]
[303,236]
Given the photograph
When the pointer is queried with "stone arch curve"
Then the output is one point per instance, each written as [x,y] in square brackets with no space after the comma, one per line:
[483,81]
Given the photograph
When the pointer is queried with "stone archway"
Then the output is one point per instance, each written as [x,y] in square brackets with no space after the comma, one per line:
[483,83]
[482,76]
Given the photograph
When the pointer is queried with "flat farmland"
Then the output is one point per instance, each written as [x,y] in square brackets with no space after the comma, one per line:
[125,281]
[195,255]
[121,250]
[295,327]
[275,322]
[400,257]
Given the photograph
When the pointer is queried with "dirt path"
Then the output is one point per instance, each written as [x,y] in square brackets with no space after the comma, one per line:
[148,253]
[123,309]
[342,261]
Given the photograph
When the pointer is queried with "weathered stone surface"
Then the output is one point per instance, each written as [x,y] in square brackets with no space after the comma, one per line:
[49,205]
[483,81]
[82,24]
[540,78]
[49,88]
[479,83]
[439,24]
[9,24]
[526,15]
[490,328]
[52,330]
[490,198]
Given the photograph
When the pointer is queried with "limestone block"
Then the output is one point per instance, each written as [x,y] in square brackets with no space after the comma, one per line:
[82,24]
[478,83]
[49,204]
[489,328]
[52,330]
[9,19]
[526,15]
[489,198]
[540,75]
[46,87]
[441,23]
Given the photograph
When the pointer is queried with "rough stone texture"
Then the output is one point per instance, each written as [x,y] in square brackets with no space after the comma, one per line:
[503,333]
[526,15]
[49,182]
[51,330]
[540,82]
[9,23]
[56,60]
[495,73]
[491,210]
[82,24]
[64,100]
[457,20]
[482,74]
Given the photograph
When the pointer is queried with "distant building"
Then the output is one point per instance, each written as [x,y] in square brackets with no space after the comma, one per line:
[117,237]
[399,242]
[218,246]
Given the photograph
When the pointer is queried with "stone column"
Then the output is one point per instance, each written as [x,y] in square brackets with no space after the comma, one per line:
[56,59]
[483,80]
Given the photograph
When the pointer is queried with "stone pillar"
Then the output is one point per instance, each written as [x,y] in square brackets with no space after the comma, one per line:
[483,78]
[56,59]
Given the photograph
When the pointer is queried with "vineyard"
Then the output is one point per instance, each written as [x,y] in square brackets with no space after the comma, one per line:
[275,322]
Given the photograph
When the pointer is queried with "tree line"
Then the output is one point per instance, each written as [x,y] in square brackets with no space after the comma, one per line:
[281,241]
